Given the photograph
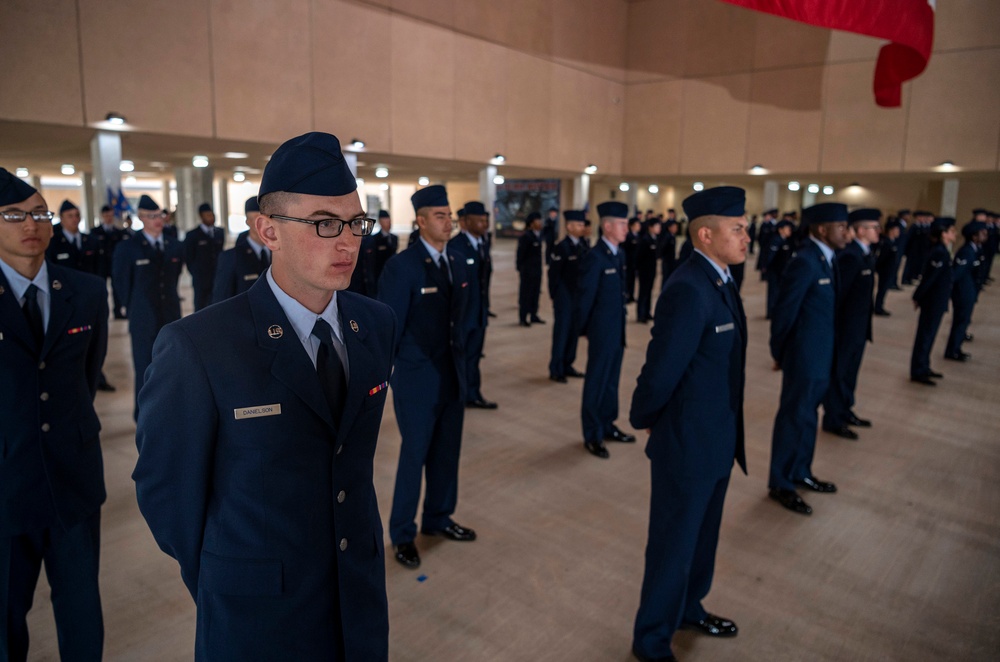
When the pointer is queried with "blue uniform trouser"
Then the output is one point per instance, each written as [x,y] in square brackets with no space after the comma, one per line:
[927,327]
[839,400]
[142,355]
[474,341]
[72,559]
[600,388]
[644,303]
[961,317]
[772,295]
[431,444]
[202,289]
[883,288]
[793,441]
[527,297]
[684,518]
[564,335]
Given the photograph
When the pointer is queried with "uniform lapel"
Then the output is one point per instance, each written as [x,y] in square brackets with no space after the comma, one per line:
[360,362]
[60,311]
[12,316]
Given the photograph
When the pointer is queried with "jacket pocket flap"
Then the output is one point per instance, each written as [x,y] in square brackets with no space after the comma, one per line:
[243,577]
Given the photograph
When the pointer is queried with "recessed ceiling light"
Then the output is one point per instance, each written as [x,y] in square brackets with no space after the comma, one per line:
[21,172]
[67,169]
[200,161]
[698,186]
[827,190]
[423,181]
[383,186]
[794,186]
[126,166]
[654,189]
[357,143]
[499,158]
[591,169]
[115,118]
[813,188]
[236,155]
[758,170]
[381,172]
[239,176]
[498,180]
[623,186]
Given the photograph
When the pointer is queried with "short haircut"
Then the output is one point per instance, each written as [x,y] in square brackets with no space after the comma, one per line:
[274,202]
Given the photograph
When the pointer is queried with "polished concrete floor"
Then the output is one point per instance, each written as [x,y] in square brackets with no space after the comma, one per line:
[902,564]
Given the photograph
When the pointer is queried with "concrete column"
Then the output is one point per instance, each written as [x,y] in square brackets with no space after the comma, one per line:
[105,157]
[632,198]
[89,209]
[194,186]
[581,191]
[770,194]
[221,205]
[808,199]
[488,191]
[949,197]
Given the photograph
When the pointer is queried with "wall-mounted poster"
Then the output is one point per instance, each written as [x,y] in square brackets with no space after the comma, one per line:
[516,198]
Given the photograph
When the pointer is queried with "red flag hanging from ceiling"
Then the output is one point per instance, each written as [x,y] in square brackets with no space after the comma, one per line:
[907,24]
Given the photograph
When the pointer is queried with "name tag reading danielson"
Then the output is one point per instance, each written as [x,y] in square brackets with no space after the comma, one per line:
[258,411]
[724,327]
[428,290]
[824,281]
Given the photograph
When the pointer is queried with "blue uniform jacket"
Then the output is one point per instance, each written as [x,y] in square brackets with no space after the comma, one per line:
[475,317]
[854,294]
[802,324]
[690,390]
[965,289]
[529,254]
[600,304]
[65,253]
[106,243]
[935,284]
[51,469]
[363,279]
[237,271]
[564,270]
[430,356]
[148,294]
[266,502]
[201,251]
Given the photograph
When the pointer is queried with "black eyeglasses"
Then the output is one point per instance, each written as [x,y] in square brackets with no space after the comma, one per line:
[18,216]
[328,228]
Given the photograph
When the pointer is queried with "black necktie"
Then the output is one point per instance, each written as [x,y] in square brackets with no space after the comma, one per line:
[735,301]
[330,369]
[443,267]
[33,313]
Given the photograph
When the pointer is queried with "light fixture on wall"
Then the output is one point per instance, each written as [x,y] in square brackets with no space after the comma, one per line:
[813,188]
[499,158]
[827,190]
[357,143]
[623,187]
[698,186]
[116,119]
[239,176]
[591,169]
[67,169]
[758,170]
[22,172]
[498,180]
[423,181]
[126,166]
[654,189]
[793,186]
[200,161]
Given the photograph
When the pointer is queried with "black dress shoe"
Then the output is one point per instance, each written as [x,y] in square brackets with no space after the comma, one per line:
[455,532]
[490,313]
[790,499]
[935,375]
[857,422]
[896,287]
[883,313]
[645,658]
[618,435]
[407,555]
[816,485]
[573,372]
[597,448]
[962,357]
[524,323]
[968,337]
[480,404]
[923,379]
[106,387]
[713,626]
[843,432]
[535,319]
[558,378]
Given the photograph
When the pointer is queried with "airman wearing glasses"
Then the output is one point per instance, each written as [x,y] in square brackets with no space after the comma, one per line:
[145,274]
[53,336]
[262,491]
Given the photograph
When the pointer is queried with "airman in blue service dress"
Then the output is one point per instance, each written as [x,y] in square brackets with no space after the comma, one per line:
[107,235]
[69,246]
[689,395]
[147,268]
[202,246]
[646,257]
[53,337]
[428,288]
[885,261]
[386,244]
[667,250]
[768,226]
[775,257]
[564,271]
[965,289]
[529,266]
[239,267]
[802,344]
[469,246]
[262,490]
[856,282]
[931,297]
[600,311]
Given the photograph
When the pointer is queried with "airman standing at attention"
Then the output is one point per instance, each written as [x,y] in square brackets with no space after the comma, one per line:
[645,263]
[529,266]
[564,288]
[965,291]
[108,235]
[931,298]
[69,246]
[202,247]
[885,261]
[240,266]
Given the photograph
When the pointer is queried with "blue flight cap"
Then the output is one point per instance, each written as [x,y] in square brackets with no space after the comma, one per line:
[383,213]
[533,216]
[203,207]
[105,208]
[979,210]
[67,206]
[943,222]
[972,227]
[460,213]
[904,212]
[311,164]
[716,201]
[430,196]
[14,189]
[146,203]
[612,209]
[865,214]
[785,224]
[668,222]
[575,215]
[771,212]
[251,205]
[894,223]
[825,212]
[475,208]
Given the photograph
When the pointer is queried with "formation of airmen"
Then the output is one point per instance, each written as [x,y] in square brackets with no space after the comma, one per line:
[316,314]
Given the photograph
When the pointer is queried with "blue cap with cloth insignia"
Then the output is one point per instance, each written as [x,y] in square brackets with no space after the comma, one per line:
[146,203]
[825,212]
[476,208]
[251,205]
[430,196]
[203,207]
[972,227]
[460,213]
[383,213]
[865,214]
[612,209]
[67,206]
[903,212]
[943,222]
[310,164]
[575,215]
[14,189]
[716,201]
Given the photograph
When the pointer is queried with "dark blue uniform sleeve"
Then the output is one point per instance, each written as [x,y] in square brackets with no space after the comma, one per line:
[394,291]
[225,277]
[932,272]
[588,280]
[121,273]
[99,344]
[795,282]
[849,267]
